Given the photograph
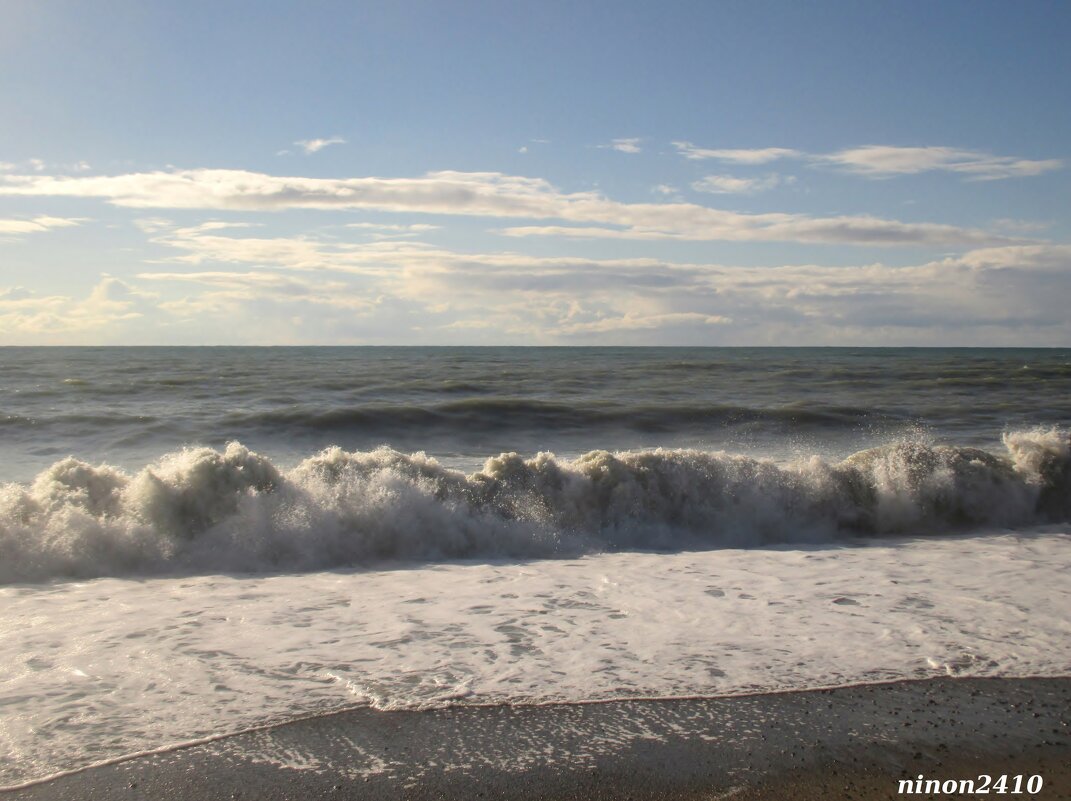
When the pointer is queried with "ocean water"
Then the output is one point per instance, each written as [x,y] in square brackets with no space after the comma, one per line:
[195,541]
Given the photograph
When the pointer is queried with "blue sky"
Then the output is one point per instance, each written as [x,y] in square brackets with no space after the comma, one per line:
[551,173]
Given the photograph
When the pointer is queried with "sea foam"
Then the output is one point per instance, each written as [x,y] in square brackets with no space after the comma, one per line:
[117,666]
[201,510]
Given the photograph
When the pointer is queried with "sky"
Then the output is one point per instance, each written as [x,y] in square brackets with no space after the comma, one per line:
[478,173]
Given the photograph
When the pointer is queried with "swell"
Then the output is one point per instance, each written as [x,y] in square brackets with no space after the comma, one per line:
[203,510]
[470,415]
[102,420]
[490,414]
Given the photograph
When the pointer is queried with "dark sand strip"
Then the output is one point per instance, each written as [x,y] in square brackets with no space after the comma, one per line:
[855,742]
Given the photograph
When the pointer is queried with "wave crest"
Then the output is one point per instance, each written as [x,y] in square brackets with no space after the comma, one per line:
[203,510]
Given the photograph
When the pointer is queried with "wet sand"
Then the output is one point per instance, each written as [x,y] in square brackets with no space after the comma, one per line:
[854,742]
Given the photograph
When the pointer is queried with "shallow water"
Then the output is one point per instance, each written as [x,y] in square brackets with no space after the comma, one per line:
[92,670]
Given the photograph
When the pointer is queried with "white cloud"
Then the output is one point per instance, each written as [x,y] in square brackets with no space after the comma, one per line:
[480,194]
[229,279]
[994,295]
[37,224]
[526,149]
[632,322]
[153,225]
[235,289]
[293,253]
[414,228]
[1019,226]
[39,165]
[266,307]
[311,146]
[304,289]
[216,225]
[585,232]
[490,280]
[381,258]
[739,156]
[15,293]
[1034,257]
[882,161]
[729,184]
[36,319]
[631,145]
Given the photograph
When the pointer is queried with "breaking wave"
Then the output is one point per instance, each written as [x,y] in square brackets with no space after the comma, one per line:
[202,510]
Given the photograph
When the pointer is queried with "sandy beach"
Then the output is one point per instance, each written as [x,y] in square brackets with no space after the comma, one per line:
[854,742]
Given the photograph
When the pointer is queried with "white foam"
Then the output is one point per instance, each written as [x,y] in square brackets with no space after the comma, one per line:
[92,670]
[200,510]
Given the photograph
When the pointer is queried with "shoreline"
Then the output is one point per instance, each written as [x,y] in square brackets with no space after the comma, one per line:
[857,740]
[515,705]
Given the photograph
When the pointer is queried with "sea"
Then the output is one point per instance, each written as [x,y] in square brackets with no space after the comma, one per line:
[196,542]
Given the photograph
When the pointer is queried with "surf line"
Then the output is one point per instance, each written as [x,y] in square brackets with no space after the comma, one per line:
[523,704]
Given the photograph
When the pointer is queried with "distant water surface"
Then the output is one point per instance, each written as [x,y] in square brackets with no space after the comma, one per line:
[128,406]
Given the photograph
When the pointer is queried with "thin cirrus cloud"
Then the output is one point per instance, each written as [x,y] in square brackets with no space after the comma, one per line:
[485,194]
[738,156]
[731,184]
[394,228]
[586,232]
[885,161]
[310,146]
[37,224]
[880,161]
[629,145]
[630,321]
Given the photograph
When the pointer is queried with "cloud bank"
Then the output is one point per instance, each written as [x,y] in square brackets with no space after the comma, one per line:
[227,284]
[419,293]
[483,194]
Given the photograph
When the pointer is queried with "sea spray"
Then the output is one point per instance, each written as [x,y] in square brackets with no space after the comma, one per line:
[201,510]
